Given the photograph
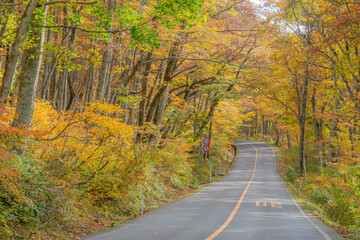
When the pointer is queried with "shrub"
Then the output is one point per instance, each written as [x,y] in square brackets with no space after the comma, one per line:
[292,173]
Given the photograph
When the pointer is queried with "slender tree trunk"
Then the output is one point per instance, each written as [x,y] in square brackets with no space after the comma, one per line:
[144,89]
[352,140]
[45,83]
[109,88]
[318,133]
[104,70]
[256,124]
[131,117]
[210,136]
[71,79]
[288,137]
[159,115]
[331,148]
[302,124]
[53,75]
[4,20]
[16,50]
[277,136]
[158,81]
[89,96]
[4,13]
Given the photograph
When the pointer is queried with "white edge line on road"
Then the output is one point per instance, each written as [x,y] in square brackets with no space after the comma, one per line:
[326,236]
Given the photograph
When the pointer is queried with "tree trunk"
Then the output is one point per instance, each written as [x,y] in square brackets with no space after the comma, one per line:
[211,112]
[210,136]
[318,134]
[101,88]
[45,83]
[256,128]
[277,136]
[288,137]
[302,124]
[163,91]
[159,115]
[16,50]
[89,95]
[144,89]
[4,16]
[352,141]
[71,93]
[29,78]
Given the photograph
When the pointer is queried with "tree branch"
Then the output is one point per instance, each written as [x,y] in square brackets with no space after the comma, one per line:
[67,1]
[279,101]
[10,5]
[84,30]
[193,59]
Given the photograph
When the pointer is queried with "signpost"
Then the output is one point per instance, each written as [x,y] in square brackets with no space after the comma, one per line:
[206,141]
[206,149]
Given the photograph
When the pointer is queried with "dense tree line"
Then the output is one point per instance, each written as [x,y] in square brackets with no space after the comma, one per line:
[306,98]
[126,90]
[138,54]
[104,104]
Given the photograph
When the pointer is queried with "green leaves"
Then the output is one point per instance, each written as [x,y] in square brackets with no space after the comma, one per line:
[182,13]
[128,17]
[75,18]
[144,36]
[98,11]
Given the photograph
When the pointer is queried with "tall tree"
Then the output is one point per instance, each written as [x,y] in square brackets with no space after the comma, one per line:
[30,70]
[104,70]
[15,52]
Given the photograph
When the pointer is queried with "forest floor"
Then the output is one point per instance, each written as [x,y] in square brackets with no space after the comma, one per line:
[299,189]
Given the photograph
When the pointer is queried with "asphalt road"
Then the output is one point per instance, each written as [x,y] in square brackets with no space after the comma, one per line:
[250,203]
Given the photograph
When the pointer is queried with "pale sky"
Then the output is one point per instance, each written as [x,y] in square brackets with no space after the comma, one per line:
[258,2]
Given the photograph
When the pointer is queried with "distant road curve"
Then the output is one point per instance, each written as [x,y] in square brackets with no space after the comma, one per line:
[250,203]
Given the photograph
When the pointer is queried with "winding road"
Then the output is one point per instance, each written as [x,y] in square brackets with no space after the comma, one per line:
[249,203]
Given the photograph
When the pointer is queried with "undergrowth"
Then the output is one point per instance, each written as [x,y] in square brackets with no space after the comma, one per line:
[75,173]
[334,195]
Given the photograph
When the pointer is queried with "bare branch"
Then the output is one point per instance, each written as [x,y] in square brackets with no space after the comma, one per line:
[194,59]
[279,101]
[49,3]
[67,1]
[85,30]
[241,30]
[10,5]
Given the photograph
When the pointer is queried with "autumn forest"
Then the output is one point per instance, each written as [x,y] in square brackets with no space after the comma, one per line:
[104,105]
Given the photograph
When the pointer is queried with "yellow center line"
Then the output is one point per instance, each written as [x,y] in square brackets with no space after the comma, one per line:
[232,214]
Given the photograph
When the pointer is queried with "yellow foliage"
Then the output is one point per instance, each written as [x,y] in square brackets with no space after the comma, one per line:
[90,138]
